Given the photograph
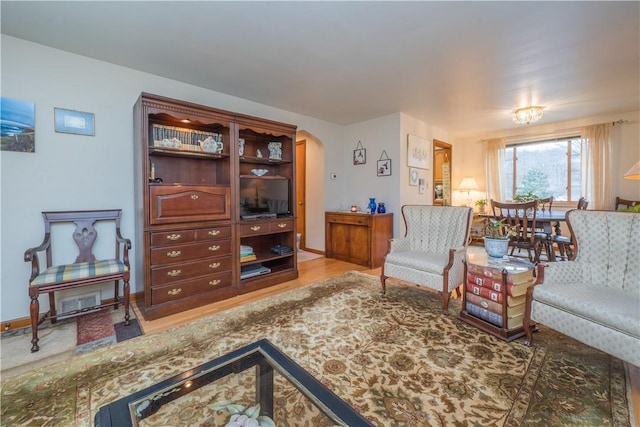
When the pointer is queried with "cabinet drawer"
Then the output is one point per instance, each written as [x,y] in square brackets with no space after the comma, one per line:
[187,288]
[172,237]
[254,228]
[174,254]
[178,203]
[349,219]
[281,225]
[223,232]
[189,270]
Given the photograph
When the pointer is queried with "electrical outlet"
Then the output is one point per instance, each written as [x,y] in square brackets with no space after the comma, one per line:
[333,175]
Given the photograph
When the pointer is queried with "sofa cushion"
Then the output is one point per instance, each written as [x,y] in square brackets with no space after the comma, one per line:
[614,308]
[429,262]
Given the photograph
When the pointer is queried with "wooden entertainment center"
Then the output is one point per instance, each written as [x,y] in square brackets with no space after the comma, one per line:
[202,181]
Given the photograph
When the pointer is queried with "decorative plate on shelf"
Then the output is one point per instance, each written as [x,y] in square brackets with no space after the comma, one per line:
[259,172]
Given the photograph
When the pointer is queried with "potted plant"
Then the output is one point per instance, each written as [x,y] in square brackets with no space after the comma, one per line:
[496,237]
[481,204]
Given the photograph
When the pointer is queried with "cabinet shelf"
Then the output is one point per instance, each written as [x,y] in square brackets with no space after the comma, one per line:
[263,160]
[172,152]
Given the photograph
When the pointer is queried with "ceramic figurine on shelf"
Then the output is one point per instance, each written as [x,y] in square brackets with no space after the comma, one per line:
[258,153]
[241,146]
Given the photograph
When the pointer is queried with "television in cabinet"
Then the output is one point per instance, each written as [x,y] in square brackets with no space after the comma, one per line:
[266,193]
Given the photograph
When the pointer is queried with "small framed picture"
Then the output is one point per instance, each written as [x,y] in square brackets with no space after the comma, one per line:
[421,186]
[413,176]
[384,167]
[76,122]
[359,155]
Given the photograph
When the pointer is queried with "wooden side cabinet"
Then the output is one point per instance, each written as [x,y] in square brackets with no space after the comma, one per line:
[358,238]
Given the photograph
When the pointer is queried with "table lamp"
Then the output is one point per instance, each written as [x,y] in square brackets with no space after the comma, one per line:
[634,172]
[467,184]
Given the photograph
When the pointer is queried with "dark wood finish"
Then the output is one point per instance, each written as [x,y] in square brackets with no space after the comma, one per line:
[189,202]
[623,203]
[358,238]
[521,219]
[502,332]
[84,236]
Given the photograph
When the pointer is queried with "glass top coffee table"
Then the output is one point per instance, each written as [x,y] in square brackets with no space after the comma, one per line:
[257,379]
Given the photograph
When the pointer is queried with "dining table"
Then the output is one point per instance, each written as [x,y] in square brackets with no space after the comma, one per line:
[547,220]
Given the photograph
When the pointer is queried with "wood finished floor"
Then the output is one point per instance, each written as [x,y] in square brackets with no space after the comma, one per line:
[310,272]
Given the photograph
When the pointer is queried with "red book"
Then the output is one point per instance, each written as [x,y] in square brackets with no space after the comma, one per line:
[487,293]
[518,272]
[495,284]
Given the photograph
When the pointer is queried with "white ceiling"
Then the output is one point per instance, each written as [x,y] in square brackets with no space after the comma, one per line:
[460,66]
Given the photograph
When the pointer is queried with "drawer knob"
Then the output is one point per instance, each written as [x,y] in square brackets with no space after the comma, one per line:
[255,228]
[215,282]
[173,237]
[174,273]
[174,292]
[214,248]
[194,197]
[174,254]
[214,265]
[214,232]
[282,225]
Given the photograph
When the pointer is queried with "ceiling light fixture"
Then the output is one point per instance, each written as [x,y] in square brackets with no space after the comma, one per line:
[527,115]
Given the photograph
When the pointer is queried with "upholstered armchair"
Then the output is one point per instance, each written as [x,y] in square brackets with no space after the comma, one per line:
[594,298]
[432,250]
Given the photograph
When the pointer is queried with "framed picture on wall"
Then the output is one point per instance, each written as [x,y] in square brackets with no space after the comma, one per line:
[18,125]
[413,176]
[418,152]
[421,186]
[359,155]
[75,122]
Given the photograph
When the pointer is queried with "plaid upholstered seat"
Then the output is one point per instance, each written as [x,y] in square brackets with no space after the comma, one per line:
[78,271]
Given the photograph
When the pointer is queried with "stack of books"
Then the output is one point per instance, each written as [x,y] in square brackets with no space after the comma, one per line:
[247,254]
[485,295]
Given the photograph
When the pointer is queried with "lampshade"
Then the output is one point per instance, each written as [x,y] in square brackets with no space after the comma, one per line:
[468,184]
[634,172]
[527,115]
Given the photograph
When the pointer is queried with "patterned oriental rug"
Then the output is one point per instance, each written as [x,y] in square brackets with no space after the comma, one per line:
[394,358]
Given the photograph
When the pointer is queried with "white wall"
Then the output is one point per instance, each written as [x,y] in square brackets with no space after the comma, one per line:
[70,172]
[361,182]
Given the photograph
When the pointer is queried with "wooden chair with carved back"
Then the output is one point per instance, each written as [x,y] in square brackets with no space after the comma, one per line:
[624,203]
[521,219]
[84,271]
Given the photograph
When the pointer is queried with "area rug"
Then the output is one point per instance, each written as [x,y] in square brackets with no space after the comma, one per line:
[394,358]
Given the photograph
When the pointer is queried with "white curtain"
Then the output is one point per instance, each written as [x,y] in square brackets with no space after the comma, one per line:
[494,159]
[596,165]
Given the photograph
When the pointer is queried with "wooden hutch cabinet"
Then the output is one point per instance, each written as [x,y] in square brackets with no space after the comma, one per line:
[357,237]
[191,215]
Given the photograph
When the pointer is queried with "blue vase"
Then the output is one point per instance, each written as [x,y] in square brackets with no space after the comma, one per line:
[372,205]
[381,208]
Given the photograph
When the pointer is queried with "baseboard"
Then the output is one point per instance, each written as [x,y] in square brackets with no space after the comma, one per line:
[23,322]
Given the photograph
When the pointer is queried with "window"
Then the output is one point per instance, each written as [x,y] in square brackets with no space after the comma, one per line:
[544,168]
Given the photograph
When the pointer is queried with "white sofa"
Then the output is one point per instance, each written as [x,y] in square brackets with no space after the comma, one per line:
[432,250]
[595,298]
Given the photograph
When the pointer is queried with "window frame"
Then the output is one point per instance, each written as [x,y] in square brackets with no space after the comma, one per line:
[513,145]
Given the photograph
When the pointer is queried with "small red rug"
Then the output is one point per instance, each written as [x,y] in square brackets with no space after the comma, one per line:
[95,326]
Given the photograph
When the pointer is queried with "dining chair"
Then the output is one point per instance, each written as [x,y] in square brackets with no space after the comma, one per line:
[542,237]
[623,203]
[521,220]
[565,243]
